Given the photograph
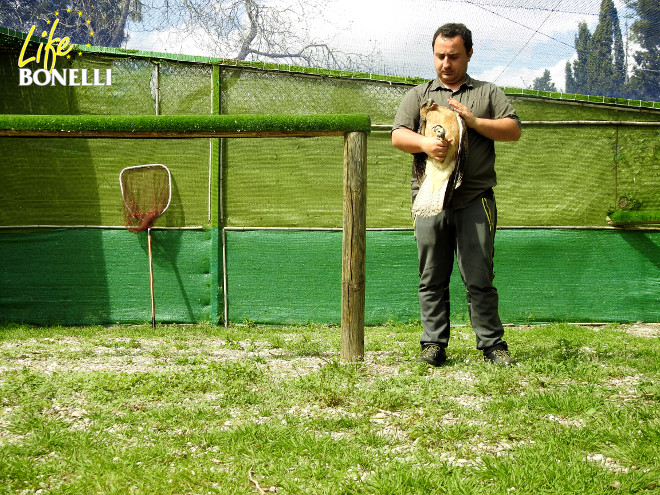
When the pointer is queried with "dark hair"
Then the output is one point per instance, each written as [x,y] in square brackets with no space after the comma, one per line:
[451,30]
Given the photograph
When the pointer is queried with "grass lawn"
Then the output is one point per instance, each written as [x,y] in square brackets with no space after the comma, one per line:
[248,409]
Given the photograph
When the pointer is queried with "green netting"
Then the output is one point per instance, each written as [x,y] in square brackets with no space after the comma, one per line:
[558,110]
[555,175]
[76,181]
[298,182]
[294,277]
[541,275]
[131,83]
[95,276]
[33,99]
[184,88]
[638,165]
[140,83]
[552,178]
[284,182]
[245,91]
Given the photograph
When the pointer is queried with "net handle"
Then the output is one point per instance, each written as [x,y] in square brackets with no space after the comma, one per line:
[150,165]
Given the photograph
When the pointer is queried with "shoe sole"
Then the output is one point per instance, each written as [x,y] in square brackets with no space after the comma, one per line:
[431,362]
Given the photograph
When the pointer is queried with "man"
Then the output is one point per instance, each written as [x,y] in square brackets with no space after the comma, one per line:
[467,225]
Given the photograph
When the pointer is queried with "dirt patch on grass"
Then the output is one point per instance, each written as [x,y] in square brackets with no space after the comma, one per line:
[141,355]
[639,329]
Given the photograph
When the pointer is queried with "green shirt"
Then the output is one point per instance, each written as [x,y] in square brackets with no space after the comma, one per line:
[485,100]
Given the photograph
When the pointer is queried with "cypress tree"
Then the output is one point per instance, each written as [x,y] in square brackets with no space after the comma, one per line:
[570,80]
[620,69]
[601,62]
[600,66]
[645,81]
[582,45]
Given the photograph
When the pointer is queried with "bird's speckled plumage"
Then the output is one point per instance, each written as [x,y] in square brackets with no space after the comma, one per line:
[438,180]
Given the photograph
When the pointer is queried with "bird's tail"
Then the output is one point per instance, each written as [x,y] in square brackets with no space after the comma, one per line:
[428,202]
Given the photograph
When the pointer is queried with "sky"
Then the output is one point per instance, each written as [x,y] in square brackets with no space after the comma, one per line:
[514,40]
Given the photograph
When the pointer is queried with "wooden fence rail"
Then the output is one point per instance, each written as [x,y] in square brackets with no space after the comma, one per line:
[354,128]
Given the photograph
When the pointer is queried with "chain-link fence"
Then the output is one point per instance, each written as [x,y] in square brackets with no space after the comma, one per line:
[576,157]
[568,174]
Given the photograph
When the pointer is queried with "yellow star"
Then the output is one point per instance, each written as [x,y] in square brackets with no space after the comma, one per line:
[68,56]
[80,54]
[91,33]
[88,22]
[48,22]
[68,10]
[57,13]
[80,14]
[88,45]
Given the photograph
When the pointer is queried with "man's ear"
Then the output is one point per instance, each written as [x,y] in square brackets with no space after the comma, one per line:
[469,55]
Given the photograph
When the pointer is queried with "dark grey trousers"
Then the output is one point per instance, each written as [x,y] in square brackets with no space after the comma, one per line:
[469,233]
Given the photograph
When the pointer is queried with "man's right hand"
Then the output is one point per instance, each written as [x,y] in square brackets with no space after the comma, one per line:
[436,148]
[412,142]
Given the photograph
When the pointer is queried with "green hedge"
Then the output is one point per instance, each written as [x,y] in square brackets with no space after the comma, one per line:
[182,123]
[634,217]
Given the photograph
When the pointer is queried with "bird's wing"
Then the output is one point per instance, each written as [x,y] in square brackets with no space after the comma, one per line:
[419,159]
[456,177]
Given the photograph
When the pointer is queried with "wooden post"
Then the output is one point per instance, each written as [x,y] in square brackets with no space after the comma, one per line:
[354,246]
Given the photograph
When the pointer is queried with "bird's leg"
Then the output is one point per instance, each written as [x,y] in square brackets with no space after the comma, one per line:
[439,131]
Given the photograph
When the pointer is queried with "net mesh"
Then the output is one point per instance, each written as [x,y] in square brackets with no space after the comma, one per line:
[292,182]
[146,195]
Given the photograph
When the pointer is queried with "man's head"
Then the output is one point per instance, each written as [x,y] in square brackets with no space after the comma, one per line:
[451,30]
[452,50]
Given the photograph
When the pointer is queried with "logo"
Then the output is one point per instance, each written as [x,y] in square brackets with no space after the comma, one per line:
[54,47]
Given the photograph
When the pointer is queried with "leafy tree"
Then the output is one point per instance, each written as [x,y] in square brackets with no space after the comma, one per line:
[645,81]
[107,18]
[544,82]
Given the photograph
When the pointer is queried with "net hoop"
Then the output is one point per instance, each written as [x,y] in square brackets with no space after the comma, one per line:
[143,216]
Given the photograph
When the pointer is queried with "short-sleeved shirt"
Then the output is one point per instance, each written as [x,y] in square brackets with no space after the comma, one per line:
[485,100]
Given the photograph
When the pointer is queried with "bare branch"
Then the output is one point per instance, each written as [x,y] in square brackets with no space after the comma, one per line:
[257,30]
[253,15]
[256,484]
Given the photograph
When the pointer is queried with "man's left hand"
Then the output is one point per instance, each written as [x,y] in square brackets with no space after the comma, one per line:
[504,129]
[463,111]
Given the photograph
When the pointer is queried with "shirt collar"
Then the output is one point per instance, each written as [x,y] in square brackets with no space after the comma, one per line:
[439,85]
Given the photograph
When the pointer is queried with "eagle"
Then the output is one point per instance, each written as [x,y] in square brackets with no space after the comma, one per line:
[439,179]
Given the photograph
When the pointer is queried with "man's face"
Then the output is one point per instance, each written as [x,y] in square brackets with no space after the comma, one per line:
[450,60]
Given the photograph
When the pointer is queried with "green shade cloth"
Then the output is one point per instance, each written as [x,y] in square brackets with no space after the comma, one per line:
[541,275]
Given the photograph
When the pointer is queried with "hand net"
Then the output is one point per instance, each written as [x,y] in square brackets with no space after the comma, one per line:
[146,193]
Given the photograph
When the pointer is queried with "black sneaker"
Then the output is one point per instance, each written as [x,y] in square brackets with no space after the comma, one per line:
[499,356]
[433,354]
